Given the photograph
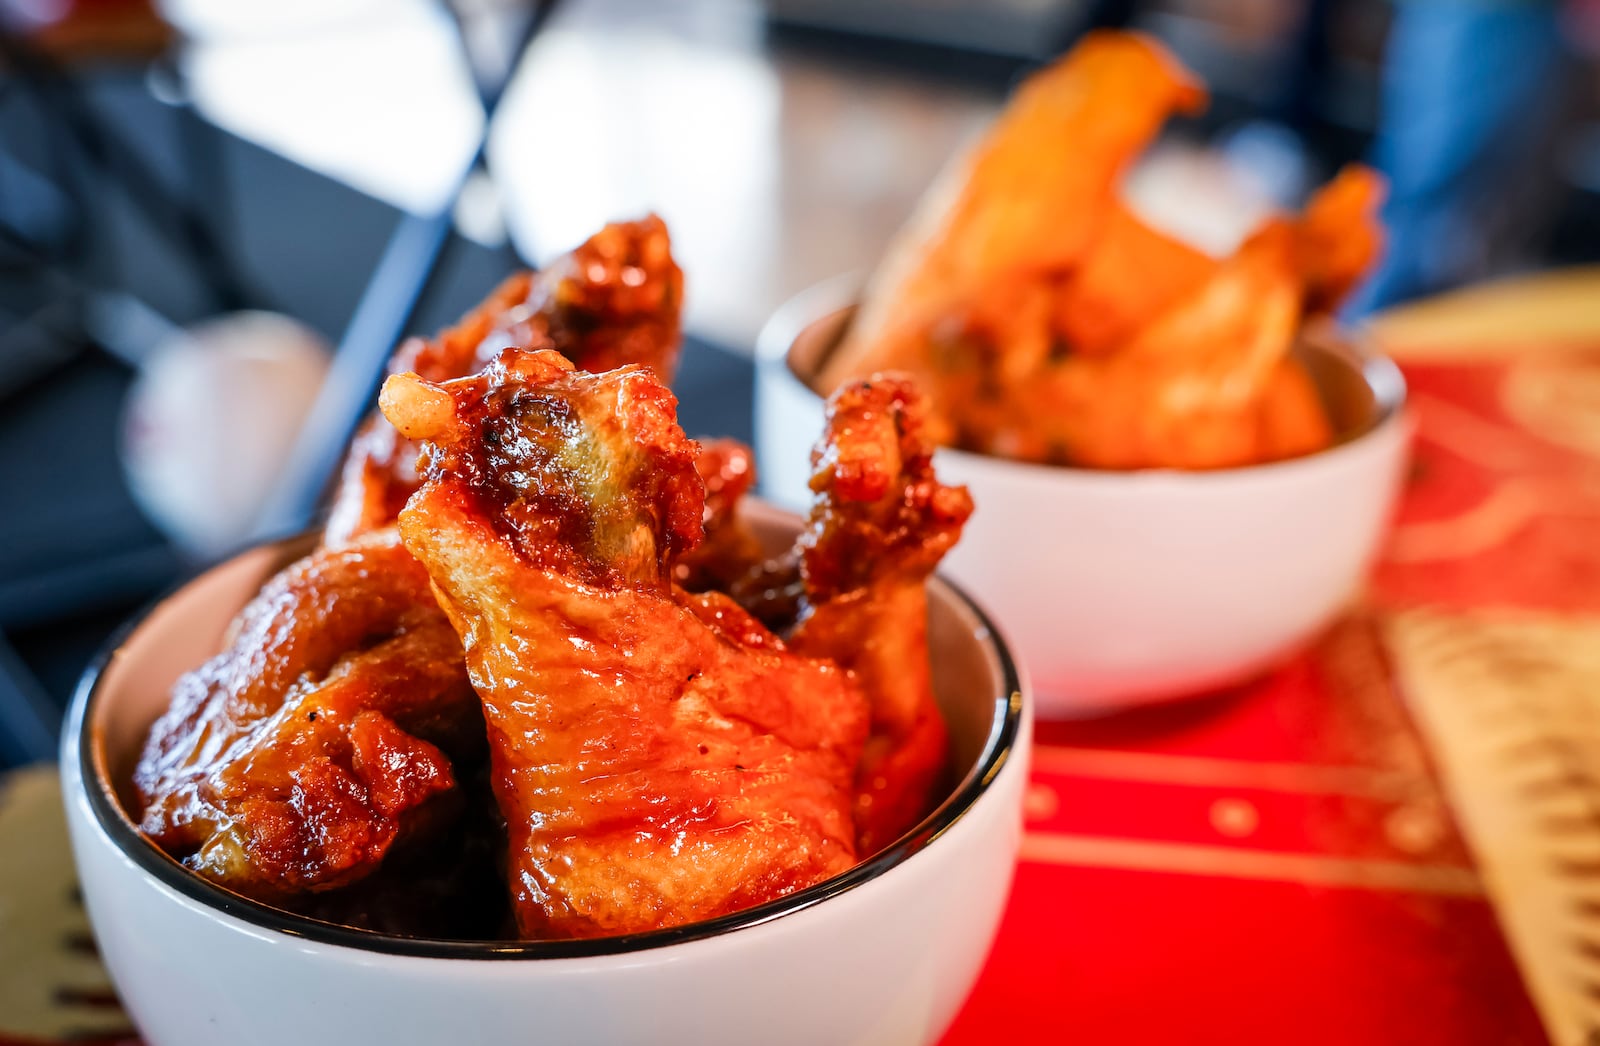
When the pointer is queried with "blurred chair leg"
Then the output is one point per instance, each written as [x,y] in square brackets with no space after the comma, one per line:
[380,319]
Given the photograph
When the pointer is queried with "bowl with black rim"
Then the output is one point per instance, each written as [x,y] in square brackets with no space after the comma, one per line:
[885,952]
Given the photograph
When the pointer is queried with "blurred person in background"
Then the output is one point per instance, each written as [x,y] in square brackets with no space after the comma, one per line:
[1469,107]
[1474,93]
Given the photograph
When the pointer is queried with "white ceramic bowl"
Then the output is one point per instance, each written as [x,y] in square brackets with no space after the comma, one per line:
[1121,588]
[885,953]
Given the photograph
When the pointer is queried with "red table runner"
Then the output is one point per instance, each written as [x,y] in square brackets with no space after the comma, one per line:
[1270,865]
[1278,862]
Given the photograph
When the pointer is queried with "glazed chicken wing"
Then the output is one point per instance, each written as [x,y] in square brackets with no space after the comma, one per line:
[880,523]
[659,758]
[613,300]
[731,559]
[1133,272]
[729,549]
[1030,198]
[298,757]
[1191,389]
[1050,323]
[1339,236]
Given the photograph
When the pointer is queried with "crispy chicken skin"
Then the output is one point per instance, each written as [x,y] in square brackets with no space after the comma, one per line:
[1031,196]
[660,758]
[299,756]
[1050,323]
[731,559]
[879,525]
[729,549]
[1189,390]
[613,300]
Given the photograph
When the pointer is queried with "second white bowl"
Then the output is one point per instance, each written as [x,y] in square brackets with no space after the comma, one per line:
[1121,588]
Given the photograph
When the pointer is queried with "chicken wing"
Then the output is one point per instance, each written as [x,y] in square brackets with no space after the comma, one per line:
[879,525]
[731,559]
[1049,323]
[1188,390]
[1132,272]
[1029,199]
[316,741]
[729,549]
[613,300]
[1340,236]
[659,758]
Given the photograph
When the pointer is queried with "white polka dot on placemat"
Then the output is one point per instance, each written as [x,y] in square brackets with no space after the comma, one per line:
[1235,818]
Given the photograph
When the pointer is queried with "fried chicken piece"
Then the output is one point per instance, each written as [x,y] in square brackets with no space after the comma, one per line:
[659,758]
[316,742]
[1187,391]
[613,300]
[1203,376]
[1049,323]
[731,559]
[984,358]
[1031,198]
[880,523]
[1339,236]
[729,550]
[1131,273]
[1293,421]
[452,888]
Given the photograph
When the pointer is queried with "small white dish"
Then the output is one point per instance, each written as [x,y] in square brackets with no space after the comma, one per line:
[1124,588]
[884,953]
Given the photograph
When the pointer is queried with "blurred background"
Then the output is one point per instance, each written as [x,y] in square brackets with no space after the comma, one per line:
[218,216]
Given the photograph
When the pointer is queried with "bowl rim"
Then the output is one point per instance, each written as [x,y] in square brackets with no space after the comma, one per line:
[823,301]
[999,749]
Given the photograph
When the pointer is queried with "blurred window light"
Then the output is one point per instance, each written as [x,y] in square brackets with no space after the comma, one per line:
[221,20]
[379,98]
[598,127]
[478,214]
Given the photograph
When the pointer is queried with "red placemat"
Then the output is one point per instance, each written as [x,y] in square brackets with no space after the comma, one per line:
[1279,862]
[1274,863]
